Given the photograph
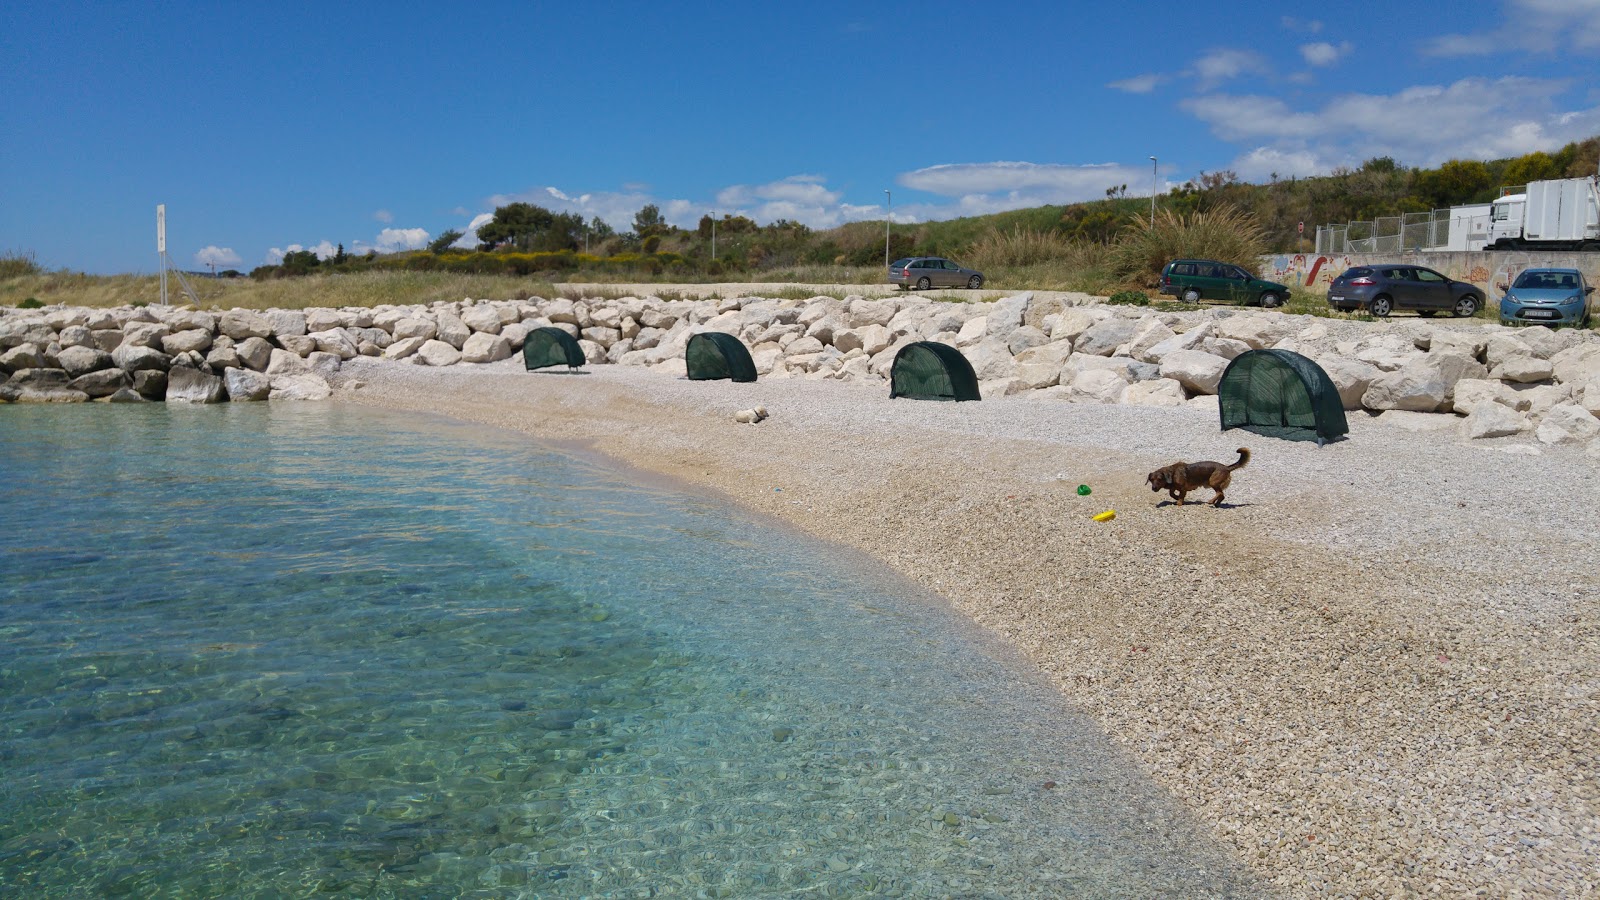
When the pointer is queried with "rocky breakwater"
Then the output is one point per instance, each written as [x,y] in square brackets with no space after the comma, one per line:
[1484,380]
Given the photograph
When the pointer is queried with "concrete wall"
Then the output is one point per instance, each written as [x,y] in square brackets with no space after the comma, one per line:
[1312,273]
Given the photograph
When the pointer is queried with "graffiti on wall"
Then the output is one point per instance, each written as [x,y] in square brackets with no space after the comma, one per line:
[1301,268]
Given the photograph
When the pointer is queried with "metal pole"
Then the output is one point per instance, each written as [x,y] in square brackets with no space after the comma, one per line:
[888,215]
[1154,181]
[713,234]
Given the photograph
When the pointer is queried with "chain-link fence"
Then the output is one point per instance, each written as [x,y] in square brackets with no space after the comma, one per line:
[1387,234]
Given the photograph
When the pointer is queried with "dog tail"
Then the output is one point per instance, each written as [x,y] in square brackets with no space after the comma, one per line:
[1244,457]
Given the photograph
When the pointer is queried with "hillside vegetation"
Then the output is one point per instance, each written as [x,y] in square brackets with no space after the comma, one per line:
[1102,247]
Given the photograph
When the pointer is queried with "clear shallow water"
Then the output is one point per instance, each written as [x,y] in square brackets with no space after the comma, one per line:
[275,650]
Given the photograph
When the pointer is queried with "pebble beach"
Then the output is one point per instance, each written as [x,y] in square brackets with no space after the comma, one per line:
[1371,673]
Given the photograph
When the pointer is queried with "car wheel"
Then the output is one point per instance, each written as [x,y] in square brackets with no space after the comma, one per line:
[1191,296]
[975,282]
[923,283]
[1467,306]
[1269,300]
[1380,306]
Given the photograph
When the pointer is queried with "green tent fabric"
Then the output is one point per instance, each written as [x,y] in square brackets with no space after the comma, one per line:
[712,354]
[551,347]
[927,370]
[1281,394]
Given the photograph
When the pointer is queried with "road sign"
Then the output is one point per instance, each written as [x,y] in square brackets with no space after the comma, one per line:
[161,228]
[1302,228]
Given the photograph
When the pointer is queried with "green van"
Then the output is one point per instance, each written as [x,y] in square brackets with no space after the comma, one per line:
[1193,280]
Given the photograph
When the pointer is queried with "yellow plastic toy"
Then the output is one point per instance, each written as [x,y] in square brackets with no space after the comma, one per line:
[1106,516]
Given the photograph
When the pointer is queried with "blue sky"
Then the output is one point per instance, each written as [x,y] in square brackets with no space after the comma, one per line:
[265,128]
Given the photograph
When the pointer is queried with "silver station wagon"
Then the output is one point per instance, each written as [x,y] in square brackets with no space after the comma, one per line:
[923,272]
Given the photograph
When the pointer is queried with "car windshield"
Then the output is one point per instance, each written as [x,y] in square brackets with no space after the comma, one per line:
[1546,280]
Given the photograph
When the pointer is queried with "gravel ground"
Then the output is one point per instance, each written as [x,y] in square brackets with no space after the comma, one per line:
[1373,672]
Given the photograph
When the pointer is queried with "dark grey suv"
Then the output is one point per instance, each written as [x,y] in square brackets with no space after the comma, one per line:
[1382,289]
[923,272]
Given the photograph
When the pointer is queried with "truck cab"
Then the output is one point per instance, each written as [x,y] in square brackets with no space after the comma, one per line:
[1505,220]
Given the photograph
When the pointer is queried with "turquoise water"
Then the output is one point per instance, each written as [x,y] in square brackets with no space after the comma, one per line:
[282,650]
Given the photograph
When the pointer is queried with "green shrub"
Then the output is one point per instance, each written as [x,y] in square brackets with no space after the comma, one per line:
[1129,298]
[30,303]
[1225,233]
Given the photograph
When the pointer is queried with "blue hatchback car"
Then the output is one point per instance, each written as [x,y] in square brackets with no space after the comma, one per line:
[1547,297]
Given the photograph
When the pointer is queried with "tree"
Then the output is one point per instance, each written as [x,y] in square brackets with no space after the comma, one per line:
[599,229]
[299,262]
[442,243]
[339,256]
[1536,166]
[1456,181]
[523,226]
[648,221]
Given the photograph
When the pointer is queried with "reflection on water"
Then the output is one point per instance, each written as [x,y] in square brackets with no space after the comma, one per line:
[277,650]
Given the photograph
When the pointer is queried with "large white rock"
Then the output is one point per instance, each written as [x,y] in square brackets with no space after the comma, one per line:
[323,363]
[1548,342]
[1155,392]
[1103,338]
[1491,420]
[299,344]
[290,322]
[415,327]
[1424,385]
[1196,370]
[83,360]
[1256,332]
[1389,352]
[1577,364]
[1524,369]
[486,347]
[516,333]
[194,386]
[240,324]
[283,362]
[865,312]
[1227,348]
[991,359]
[145,334]
[437,353]
[336,341]
[319,319]
[452,330]
[1466,343]
[254,353]
[246,384]
[22,356]
[1005,316]
[972,331]
[1472,394]
[139,357]
[1540,398]
[1567,423]
[77,336]
[1350,377]
[1497,348]
[1588,395]
[1155,333]
[486,319]
[102,382]
[1072,322]
[1026,337]
[300,387]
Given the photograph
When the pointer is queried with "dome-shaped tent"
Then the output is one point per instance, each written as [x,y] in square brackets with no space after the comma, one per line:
[551,347]
[712,354]
[927,370]
[1279,393]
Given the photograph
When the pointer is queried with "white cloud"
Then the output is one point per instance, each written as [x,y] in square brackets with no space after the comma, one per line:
[1222,65]
[983,188]
[323,250]
[1139,84]
[1308,26]
[392,240]
[1538,26]
[213,255]
[1262,163]
[1423,125]
[384,216]
[1323,53]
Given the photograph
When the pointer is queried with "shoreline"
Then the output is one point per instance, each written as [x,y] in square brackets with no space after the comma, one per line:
[1338,721]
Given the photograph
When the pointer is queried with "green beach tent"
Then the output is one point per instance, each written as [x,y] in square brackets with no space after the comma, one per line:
[712,354]
[927,370]
[551,347]
[1281,394]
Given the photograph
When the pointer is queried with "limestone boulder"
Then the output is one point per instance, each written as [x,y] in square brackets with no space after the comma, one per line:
[452,330]
[415,328]
[283,362]
[241,324]
[1540,398]
[516,334]
[1026,337]
[1524,369]
[145,334]
[186,385]
[1127,368]
[186,340]
[285,323]
[1227,348]
[991,359]
[1070,323]
[41,386]
[1441,340]
[1567,423]
[319,319]
[1005,316]
[865,312]
[1547,343]
[1155,392]
[485,347]
[1424,385]
[101,383]
[1497,348]
[1576,364]
[66,317]
[1103,338]
[1492,420]
[81,360]
[437,353]
[324,364]
[126,395]
[140,357]
[300,387]
[22,356]
[1255,332]
[1588,396]
[300,345]
[1350,377]
[76,336]
[1194,369]
[1473,394]
[599,334]
[972,331]
[150,384]
[486,320]
[336,341]
[246,384]
[254,353]
[1153,332]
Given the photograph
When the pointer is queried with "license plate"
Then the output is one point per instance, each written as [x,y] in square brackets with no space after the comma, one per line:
[1540,314]
[1337,299]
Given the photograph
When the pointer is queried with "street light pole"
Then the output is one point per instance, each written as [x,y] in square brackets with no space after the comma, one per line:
[713,234]
[1154,180]
[888,214]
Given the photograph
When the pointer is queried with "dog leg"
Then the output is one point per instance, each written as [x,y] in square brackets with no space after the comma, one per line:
[1217,500]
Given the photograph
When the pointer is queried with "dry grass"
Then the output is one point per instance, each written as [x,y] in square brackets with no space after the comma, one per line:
[1225,233]
[353,289]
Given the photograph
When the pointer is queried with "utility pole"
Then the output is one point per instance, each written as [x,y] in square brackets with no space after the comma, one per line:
[1154,181]
[713,234]
[888,215]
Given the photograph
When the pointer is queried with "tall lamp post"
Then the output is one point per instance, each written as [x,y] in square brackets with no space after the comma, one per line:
[713,234]
[888,213]
[1154,180]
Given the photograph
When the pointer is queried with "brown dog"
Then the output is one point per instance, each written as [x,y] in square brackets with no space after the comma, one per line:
[1180,478]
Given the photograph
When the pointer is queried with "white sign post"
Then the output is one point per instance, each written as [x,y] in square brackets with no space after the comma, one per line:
[161,247]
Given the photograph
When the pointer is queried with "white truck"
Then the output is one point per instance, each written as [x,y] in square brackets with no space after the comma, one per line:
[1554,215]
